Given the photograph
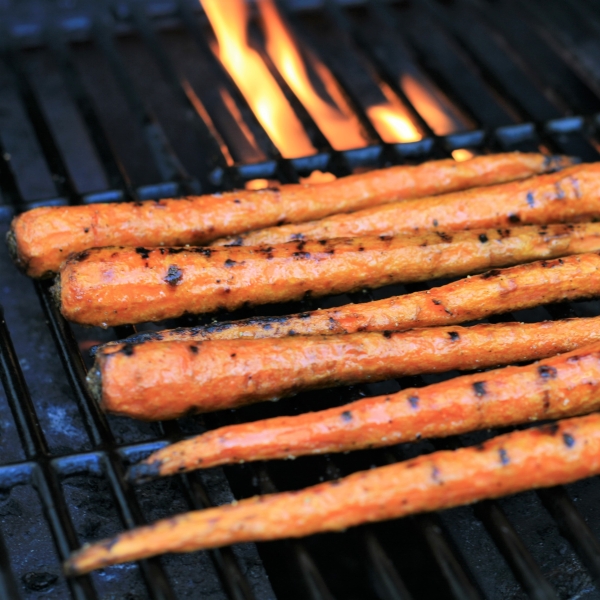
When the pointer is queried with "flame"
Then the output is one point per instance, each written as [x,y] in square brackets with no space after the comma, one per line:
[392,125]
[229,21]
[462,154]
[338,124]
[428,105]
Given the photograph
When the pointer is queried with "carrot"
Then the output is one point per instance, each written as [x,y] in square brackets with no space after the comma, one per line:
[572,194]
[114,286]
[538,457]
[41,239]
[498,291]
[164,380]
[561,386]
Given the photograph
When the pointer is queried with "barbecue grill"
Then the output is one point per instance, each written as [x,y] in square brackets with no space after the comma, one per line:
[127,100]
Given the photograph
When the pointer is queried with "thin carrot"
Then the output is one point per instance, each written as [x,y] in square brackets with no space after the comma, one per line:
[115,286]
[163,380]
[571,195]
[41,239]
[523,460]
[498,291]
[558,387]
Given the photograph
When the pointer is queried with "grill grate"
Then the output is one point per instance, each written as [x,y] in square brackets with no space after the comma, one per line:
[121,103]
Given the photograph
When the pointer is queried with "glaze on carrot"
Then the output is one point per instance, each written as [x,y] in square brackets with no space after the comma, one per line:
[558,387]
[115,286]
[567,196]
[41,239]
[524,460]
[499,291]
[164,380]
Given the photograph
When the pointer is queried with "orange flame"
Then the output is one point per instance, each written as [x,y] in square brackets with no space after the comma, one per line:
[391,119]
[229,21]
[337,123]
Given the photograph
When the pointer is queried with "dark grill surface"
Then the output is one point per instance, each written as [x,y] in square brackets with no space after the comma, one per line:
[118,101]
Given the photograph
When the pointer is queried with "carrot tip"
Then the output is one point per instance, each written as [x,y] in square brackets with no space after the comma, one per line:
[143,472]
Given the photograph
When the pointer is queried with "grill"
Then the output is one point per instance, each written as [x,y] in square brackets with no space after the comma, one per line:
[126,101]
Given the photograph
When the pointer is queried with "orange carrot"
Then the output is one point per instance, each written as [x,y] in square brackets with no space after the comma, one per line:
[561,386]
[571,195]
[523,460]
[115,286]
[499,291]
[41,239]
[164,380]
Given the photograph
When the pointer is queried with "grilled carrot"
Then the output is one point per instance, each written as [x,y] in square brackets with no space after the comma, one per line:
[570,195]
[114,286]
[561,386]
[498,291]
[523,460]
[41,239]
[164,380]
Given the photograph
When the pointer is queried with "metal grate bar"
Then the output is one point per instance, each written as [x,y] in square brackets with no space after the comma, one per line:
[518,557]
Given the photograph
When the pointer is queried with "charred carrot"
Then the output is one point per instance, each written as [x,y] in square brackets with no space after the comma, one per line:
[498,291]
[571,195]
[114,286]
[164,380]
[558,387]
[41,239]
[523,460]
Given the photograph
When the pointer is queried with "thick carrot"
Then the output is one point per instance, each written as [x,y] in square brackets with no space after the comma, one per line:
[523,460]
[561,386]
[41,239]
[499,291]
[164,380]
[115,286]
[571,195]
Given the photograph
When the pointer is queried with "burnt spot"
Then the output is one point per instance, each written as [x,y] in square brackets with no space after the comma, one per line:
[414,401]
[490,274]
[265,249]
[549,429]
[86,230]
[386,238]
[346,416]
[546,400]
[514,218]
[568,440]
[81,256]
[479,389]
[230,263]
[546,372]
[227,290]
[302,255]
[445,237]
[503,456]
[233,355]
[454,336]
[361,248]
[193,348]
[280,223]
[483,238]
[530,199]
[387,334]
[331,252]
[436,302]
[300,245]
[323,242]
[435,222]
[143,252]
[174,276]
[204,251]
[162,251]
[269,256]
[574,359]
[503,233]
[237,201]
[127,349]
